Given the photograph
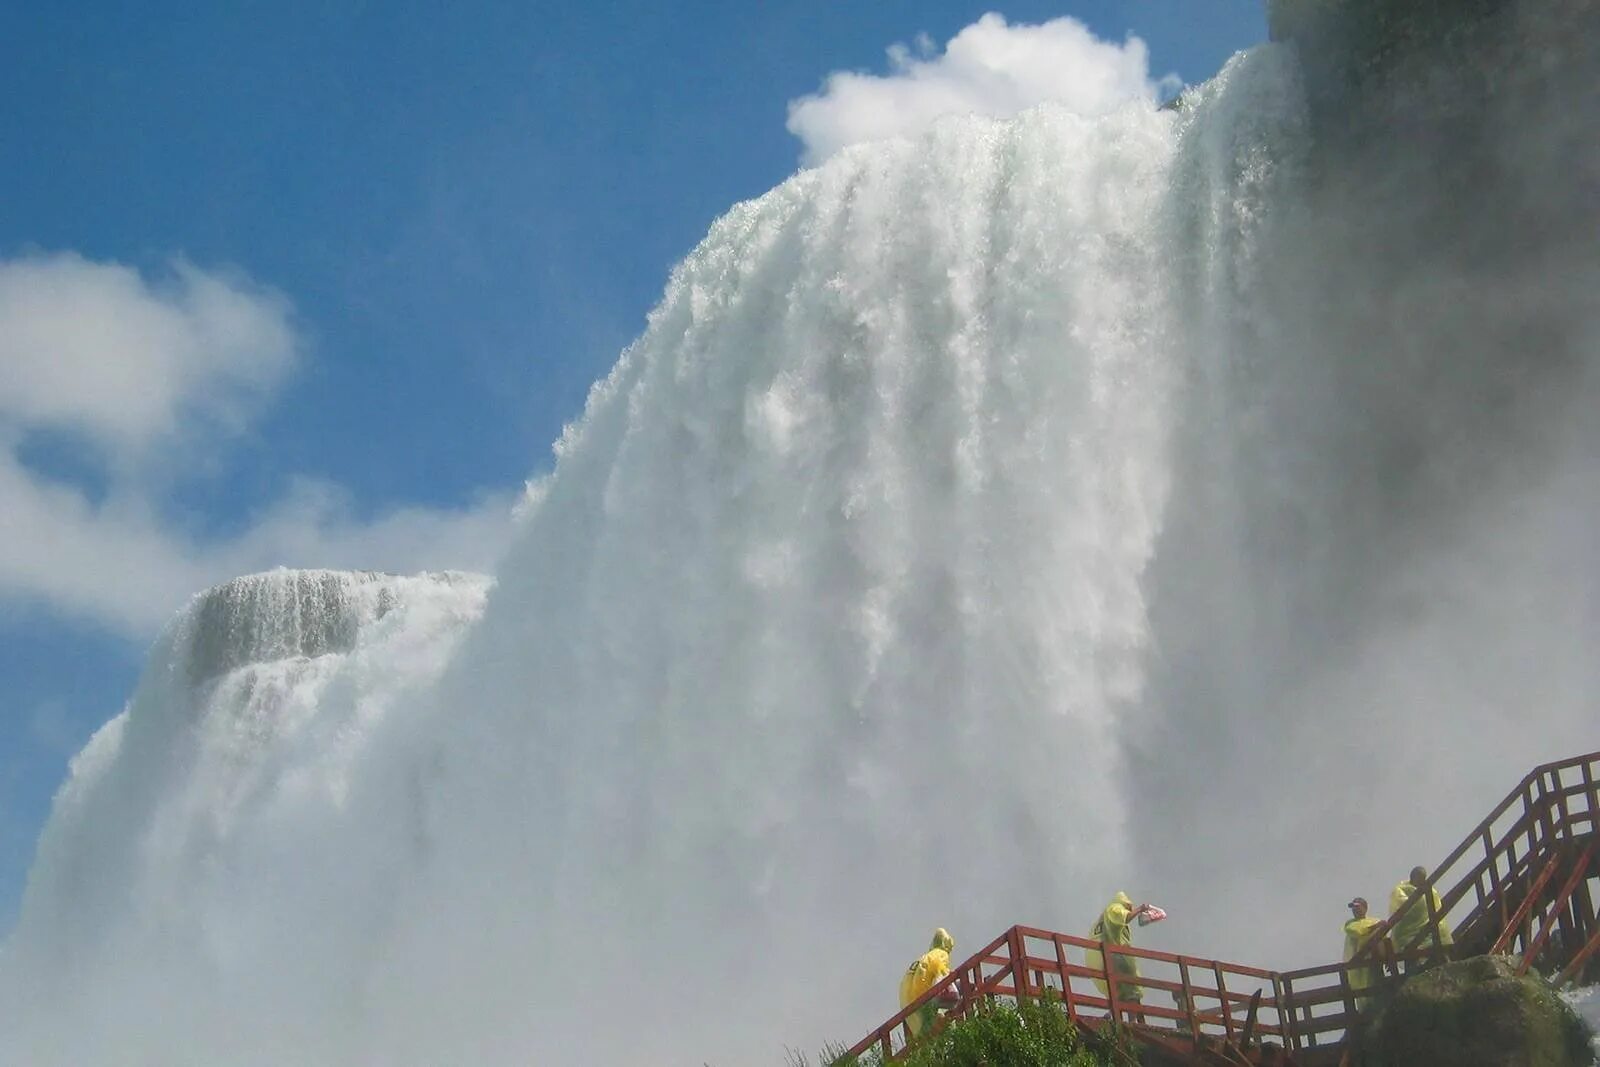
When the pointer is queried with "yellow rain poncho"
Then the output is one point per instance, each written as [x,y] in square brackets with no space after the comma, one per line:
[920,977]
[1357,932]
[1114,927]
[1410,932]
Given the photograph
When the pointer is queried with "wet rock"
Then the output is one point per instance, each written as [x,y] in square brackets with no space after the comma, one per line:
[1478,1013]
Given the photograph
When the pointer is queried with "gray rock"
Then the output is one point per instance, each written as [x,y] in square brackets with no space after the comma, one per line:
[1478,1013]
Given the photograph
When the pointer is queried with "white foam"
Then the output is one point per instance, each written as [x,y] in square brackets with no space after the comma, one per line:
[966,536]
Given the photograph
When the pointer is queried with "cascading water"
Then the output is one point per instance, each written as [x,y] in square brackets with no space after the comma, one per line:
[981,523]
[847,556]
[192,838]
[1374,592]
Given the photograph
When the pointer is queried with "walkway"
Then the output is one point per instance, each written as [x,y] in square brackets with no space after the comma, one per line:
[1525,882]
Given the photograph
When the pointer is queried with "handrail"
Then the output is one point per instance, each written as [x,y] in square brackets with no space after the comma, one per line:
[1524,909]
[1010,966]
[1580,870]
[882,1037]
[1557,822]
[1548,809]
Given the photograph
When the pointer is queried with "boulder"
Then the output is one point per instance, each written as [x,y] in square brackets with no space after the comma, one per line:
[1478,1013]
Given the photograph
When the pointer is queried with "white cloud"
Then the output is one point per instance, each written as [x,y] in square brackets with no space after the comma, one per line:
[98,349]
[154,374]
[989,68]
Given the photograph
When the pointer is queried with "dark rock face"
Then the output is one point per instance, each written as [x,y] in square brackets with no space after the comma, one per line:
[1462,49]
[1373,28]
[1428,338]
[1478,1013]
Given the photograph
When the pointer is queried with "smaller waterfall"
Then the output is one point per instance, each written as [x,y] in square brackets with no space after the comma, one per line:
[264,618]
[176,848]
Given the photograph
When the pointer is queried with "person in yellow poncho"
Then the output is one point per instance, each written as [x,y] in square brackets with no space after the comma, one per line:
[1115,927]
[924,971]
[1412,932]
[1357,932]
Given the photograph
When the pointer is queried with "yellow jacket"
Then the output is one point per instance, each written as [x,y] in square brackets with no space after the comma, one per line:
[1357,932]
[1114,924]
[927,968]
[1409,932]
[1114,927]
[920,977]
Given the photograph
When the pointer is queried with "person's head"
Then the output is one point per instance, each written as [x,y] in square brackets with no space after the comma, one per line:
[942,939]
[1124,899]
[1419,875]
[1358,907]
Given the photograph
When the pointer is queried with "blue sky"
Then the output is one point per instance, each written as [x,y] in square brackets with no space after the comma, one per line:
[318,284]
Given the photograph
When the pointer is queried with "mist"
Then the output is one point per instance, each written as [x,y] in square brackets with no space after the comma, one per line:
[1376,593]
[1194,502]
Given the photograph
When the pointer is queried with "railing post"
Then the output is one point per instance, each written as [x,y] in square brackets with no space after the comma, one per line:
[1561,804]
[1544,799]
[1583,908]
[1188,999]
[1285,1028]
[1591,796]
[1067,1000]
[1019,962]
[1527,810]
[1247,1038]
[1546,803]
[1291,1021]
[1222,994]
[1434,919]
[1494,873]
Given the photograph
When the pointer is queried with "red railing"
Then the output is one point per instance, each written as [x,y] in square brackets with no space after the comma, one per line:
[1500,865]
[1519,883]
[1500,879]
[1175,1000]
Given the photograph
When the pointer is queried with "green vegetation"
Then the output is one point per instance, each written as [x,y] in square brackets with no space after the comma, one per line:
[999,1033]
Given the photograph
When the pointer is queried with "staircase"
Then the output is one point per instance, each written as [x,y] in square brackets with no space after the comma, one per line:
[1523,883]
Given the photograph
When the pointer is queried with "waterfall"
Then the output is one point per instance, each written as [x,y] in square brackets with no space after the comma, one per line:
[983,523]
[193,838]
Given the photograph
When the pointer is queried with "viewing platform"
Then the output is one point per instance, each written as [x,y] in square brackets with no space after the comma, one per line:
[1523,883]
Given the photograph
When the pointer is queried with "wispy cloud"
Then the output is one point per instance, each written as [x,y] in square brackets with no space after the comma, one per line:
[98,349]
[151,375]
[989,68]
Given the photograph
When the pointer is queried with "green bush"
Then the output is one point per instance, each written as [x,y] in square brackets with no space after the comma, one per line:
[999,1033]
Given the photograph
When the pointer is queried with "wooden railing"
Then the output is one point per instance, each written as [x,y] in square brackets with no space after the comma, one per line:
[1522,875]
[1500,865]
[1524,882]
[1175,1000]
